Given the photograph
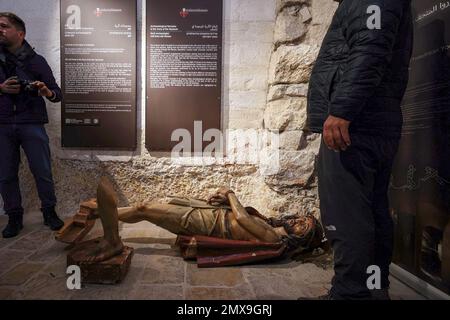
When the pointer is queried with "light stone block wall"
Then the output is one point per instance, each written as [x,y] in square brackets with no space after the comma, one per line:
[253,34]
[249,26]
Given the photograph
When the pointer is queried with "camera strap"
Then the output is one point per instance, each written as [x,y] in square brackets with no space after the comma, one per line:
[3,62]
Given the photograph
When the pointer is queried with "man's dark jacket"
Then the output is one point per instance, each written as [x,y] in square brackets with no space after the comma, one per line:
[27,65]
[361,74]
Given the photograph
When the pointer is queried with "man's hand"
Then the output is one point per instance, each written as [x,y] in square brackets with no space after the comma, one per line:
[43,90]
[10,86]
[335,133]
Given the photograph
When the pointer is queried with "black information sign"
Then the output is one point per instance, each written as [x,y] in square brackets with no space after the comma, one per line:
[420,188]
[184,61]
[98,58]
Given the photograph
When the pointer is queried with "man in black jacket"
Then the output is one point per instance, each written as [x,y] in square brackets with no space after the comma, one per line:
[354,99]
[25,77]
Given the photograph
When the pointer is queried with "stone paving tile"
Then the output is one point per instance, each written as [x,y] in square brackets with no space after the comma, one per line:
[33,219]
[56,268]
[242,292]
[50,251]
[137,241]
[6,293]
[140,225]
[213,277]
[156,250]
[10,258]
[133,278]
[102,292]
[20,274]
[146,232]
[288,281]
[164,270]
[138,260]
[44,287]
[163,233]
[400,291]
[157,292]
[6,243]
[33,241]
[130,234]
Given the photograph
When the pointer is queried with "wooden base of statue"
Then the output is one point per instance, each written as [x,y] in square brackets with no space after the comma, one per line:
[77,227]
[111,271]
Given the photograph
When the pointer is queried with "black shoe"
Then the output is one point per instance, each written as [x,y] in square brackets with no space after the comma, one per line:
[15,224]
[51,219]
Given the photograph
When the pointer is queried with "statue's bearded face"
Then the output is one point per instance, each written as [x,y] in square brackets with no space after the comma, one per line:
[300,226]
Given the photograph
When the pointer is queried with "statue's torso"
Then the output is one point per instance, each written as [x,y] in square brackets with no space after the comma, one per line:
[197,217]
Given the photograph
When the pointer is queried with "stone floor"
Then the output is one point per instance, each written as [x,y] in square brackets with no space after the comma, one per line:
[33,265]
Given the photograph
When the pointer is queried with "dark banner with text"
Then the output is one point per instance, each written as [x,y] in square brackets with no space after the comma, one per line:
[98,58]
[184,61]
[420,187]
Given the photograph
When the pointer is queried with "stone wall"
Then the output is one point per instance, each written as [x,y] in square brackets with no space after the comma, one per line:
[269,49]
[299,30]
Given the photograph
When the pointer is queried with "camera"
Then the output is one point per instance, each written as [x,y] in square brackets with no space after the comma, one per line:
[27,86]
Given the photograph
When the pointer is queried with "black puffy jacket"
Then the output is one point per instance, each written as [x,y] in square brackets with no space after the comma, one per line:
[361,73]
[27,65]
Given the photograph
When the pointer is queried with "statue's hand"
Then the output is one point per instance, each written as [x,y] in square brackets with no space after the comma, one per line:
[223,191]
[220,197]
[216,199]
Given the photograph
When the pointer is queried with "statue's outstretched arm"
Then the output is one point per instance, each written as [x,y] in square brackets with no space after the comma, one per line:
[260,229]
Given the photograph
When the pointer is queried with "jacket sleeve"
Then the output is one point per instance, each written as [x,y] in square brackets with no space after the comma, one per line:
[48,78]
[370,52]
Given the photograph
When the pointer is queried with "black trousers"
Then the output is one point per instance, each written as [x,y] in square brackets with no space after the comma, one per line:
[353,191]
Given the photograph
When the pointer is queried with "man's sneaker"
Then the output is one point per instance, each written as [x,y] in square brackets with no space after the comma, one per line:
[51,219]
[15,224]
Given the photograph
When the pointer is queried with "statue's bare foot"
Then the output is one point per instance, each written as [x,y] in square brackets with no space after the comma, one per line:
[104,250]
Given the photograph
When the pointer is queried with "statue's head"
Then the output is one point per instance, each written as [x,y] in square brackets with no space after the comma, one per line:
[305,233]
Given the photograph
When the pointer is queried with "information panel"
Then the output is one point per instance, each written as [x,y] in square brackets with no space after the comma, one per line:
[420,188]
[184,60]
[98,71]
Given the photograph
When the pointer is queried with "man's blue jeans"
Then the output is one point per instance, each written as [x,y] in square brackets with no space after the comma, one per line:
[34,141]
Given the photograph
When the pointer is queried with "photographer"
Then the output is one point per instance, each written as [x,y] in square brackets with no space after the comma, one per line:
[25,78]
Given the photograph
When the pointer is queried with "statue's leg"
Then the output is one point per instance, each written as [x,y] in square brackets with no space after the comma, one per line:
[165,216]
[111,244]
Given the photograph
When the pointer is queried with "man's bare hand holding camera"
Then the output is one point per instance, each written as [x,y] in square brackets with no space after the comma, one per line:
[43,91]
[10,86]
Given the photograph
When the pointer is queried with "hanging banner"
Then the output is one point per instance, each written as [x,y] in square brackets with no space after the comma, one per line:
[184,59]
[420,188]
[98,71]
